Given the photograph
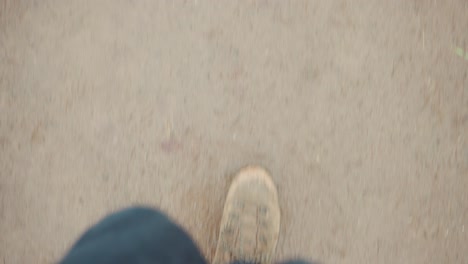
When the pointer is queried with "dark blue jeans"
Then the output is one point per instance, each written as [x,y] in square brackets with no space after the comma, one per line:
[136,235]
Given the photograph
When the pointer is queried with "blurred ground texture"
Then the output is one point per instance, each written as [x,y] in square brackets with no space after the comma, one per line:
[359,109]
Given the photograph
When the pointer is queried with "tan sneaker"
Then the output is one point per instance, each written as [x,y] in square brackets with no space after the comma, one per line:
[251,219]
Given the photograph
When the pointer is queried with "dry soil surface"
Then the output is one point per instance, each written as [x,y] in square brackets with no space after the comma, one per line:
[359,109]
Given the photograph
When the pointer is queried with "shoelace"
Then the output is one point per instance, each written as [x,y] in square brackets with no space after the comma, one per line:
[259,241]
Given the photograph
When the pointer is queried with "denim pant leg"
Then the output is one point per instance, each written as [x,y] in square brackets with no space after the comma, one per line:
[135,235]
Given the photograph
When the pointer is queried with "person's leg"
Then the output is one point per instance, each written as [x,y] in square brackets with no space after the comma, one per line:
[135,235]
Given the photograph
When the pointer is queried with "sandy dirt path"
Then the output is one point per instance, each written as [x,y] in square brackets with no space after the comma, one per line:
[358,108]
